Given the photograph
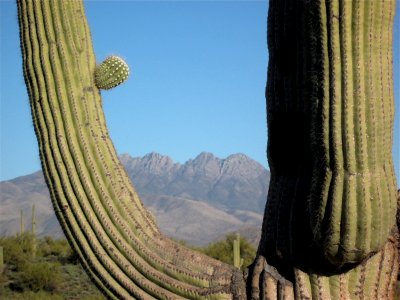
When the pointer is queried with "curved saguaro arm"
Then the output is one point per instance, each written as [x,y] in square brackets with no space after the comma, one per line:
[330,219]
[332,195]
[375,278]
[116,239]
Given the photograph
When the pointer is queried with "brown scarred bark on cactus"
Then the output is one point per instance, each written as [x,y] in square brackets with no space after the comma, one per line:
[331,205]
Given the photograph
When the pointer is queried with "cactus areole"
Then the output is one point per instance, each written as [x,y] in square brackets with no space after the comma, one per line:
[331,204]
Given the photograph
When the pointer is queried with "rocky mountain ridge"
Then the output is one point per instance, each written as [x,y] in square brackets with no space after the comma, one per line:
[197,201]
[236,181]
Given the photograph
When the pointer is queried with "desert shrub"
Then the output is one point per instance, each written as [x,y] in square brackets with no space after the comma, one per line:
[3,279]
[94,297]
[223,250]
[72,258]
[17,250]
[50,247]
[38,276]
[40,295]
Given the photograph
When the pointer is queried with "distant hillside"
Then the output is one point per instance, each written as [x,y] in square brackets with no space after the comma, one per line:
[197,201]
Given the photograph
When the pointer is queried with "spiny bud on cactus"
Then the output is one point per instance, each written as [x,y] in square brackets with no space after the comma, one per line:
[111,72]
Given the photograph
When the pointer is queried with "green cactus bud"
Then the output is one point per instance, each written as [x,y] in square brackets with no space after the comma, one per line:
[111,72]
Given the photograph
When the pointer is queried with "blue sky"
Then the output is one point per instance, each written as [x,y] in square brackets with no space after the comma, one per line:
[198,73]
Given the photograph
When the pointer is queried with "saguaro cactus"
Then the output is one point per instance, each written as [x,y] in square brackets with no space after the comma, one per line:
[237,260]
[33,221]
[1,259]
[21,222]
[331,204]
[330,115]
[332,197]
[99,210]
[33,232]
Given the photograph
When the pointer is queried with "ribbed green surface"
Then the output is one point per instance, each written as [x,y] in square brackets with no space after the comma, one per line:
[332,196]
[99,210]
[374,279]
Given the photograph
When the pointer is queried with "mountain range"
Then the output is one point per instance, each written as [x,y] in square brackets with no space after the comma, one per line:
[198,201]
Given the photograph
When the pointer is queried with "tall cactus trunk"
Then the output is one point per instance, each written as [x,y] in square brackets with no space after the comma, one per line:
[329,225]
[105,222]
[1,260]
[332,198]
[21,223]
[33,221]
[330,219]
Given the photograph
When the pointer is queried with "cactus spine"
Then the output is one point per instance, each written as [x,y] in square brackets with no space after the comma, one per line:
[99,210]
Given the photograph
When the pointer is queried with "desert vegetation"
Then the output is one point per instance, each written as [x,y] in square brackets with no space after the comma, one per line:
[53,271]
